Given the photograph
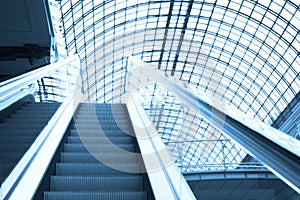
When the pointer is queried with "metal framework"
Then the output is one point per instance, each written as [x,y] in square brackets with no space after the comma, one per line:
[243,52]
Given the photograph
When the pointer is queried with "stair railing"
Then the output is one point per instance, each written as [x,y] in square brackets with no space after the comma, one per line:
[279,152]
[166,180]
[15,88]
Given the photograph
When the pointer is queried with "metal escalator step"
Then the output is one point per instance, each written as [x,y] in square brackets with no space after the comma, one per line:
[80,175]
[103,114]
[87,157]
[24,121]
[125,195]
[103,126]
[119,120]
[19,130]
[37,111]
[11,132]
[101,105]
[86,117]
[120,123]
[10,139]
[8,156]
[98,132]
[6,168]
[43,104]
[102,108]
[96,147]
[34,124]
[107,129]
[40,105]
[31,125]
[108,109]
[97,140]
[96,183]
[31,115]
[14,147]
[91,169]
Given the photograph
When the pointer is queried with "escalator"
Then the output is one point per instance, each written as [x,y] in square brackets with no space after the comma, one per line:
[94,155]
[19,127]
[79,175]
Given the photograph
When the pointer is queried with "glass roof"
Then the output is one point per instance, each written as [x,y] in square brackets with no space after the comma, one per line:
[59,84]
[243,52]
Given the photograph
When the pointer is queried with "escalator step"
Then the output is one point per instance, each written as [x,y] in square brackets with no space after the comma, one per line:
[13,139]
[31,115]
[11,132]
[105,123]
[69,157]
[91,169]
[125,195]
[100,132]
[30,126]
[113,121]
[42,104]
[19,130]
[24,121]
[107,109]
[9,156]
[96,183]
[85,118]
[80,175]
[97,140]
[101,148]
[14,147]
[101,105]
[36,111]
[102,126]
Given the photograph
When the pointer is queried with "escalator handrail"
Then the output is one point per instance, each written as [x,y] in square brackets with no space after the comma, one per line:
[278,151]
[166,180]
[16,85]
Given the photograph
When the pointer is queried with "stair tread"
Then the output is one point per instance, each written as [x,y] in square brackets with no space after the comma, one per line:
[136,195]
[71,169]
[80,175]
[95,183]
[19,130]
[97,140]
[87,157]
[96,147]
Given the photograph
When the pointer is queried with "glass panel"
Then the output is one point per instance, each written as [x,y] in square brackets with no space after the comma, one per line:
[249,49]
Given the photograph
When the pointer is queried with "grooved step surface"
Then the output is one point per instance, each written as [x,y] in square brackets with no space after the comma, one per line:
[96,183]
[91,169]
[21,125]
[130,195]
[80,174]
[97,140]
[87,157]
[32,115]
[110,131]
[19,130]
[97,148]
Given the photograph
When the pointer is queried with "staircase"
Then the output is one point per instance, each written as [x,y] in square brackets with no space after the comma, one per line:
[19,129]
[79,173]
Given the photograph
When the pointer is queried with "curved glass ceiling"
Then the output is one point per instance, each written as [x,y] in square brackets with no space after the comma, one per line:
[243,52]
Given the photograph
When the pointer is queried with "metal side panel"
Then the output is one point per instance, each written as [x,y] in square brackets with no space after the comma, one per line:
[166,180]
